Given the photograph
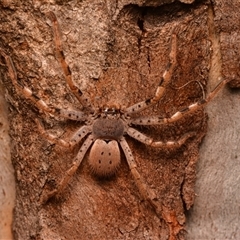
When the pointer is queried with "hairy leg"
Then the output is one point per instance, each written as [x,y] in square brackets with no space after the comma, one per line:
[146,193]
[165,79]
[70,172]
[75,139]
[157,120]
[61,58]
[39,103]
[150,141]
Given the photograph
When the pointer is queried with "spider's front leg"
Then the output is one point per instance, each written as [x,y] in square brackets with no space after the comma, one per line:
[70,172]
[145,192]
[39,103]
[165,79]
[61,58]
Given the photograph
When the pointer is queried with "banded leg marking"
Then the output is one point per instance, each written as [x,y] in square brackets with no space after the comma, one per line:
[153,120]
[70,172]
[39,103]
[61,58]
[158,144]
[75,139]
[146,193]
[157,120]
[195,106]
[165,79]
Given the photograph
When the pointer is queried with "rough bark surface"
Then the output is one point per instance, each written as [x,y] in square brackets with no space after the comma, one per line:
[117,53]
[215,214]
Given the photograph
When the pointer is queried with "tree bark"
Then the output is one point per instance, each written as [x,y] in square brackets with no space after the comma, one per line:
[117,53]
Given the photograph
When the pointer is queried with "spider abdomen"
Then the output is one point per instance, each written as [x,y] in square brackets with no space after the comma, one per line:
[105,128]
[104,157]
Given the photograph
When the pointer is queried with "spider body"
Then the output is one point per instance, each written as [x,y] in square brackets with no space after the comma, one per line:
[104,157]
[103,131]
[107,129]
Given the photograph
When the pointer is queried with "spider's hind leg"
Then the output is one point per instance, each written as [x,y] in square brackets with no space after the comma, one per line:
[146,193]
[70,172]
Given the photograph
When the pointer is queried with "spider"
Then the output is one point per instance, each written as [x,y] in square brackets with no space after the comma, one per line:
[104,128]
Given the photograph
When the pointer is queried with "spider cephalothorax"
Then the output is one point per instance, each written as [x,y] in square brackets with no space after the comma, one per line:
[103,130]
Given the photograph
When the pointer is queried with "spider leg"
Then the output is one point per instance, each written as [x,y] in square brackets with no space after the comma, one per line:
[70,172]
[157,120]
[75,139]
[149,141]
[39,103]
[61,58]
[146,193]
[165,79]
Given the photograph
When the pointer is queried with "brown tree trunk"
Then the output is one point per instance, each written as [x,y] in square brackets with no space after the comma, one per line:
[215,214]
[117,53]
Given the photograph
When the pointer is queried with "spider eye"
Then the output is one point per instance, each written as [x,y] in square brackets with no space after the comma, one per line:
[109,111]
